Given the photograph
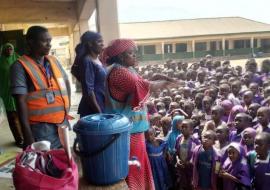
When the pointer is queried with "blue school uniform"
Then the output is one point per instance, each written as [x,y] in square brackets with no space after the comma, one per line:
[158,165]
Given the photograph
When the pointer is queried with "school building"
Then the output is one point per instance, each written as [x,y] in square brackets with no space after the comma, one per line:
[195,38]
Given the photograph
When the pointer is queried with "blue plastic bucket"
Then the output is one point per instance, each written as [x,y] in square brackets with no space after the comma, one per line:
[103,142]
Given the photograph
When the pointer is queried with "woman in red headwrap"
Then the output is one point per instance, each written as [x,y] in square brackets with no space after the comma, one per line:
[126,93]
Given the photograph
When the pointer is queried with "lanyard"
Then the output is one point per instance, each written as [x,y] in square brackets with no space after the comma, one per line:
[46,70]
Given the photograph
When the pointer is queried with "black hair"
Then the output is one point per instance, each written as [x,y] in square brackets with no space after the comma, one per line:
[34,31]
[113,60]
[265,136]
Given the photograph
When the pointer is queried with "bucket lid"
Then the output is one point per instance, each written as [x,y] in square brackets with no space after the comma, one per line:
[102,124]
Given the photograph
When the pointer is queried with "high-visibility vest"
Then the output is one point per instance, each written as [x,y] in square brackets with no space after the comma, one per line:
[39,110]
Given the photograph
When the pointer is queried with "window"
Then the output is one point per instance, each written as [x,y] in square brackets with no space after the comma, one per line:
[226,44]
[255,43]
[213,45]
[150,49]
[181,47]
[241,44]
[265,44]
[140,50]
[168,48]
[200,46]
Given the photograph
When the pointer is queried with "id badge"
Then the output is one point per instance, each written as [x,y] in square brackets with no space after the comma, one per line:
[50,97]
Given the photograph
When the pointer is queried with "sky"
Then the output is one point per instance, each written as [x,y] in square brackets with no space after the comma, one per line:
[157,10]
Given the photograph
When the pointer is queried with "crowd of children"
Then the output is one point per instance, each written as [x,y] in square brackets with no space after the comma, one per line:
[213,132]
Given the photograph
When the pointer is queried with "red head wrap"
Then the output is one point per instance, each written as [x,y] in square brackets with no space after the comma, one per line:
[117,47]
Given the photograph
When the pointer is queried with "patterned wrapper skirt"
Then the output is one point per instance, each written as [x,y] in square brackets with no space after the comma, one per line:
[139,178]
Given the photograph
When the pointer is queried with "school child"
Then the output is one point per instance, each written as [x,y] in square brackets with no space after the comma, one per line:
[242,121]
[206,103]
[263,115]
[248,99]
[235,171]
[248,138]
[174,133]
[188,108]
[227,106]
[185,143]
[259,161]
[156,150]
[254,87]
[166,127]
[198,102]
[217,113]
[205,160]
[224,91]
[234,96]
[235,110]
[252,111]
[222,142]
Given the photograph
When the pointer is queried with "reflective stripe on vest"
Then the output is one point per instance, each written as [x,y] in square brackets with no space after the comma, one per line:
[38,108]
[38,81]
[42,94]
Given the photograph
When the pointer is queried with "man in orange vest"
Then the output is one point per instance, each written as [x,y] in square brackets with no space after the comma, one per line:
[41,89]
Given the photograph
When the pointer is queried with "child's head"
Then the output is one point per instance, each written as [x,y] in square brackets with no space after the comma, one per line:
[224,90]
[173,105]
[262,144]
[166,124]
[213,93]
[208,139]
[177,98]
[155,119]
[187,127]
[242,121]
[236,87]
[209,125]
[206,103]
[150,134]
[196,119]
[186,92]
[201,76]
[160,106]
[217,112]
[222,132]
[188,108]
[266,92]
[248,136]
[198,100]
[234,151]
[252,109]
[227,106]
[254,87]
[176,122]
[263,115]
[167,100]
[248,97]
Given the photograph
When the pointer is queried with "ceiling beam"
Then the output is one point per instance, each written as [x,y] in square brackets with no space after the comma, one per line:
[28,11]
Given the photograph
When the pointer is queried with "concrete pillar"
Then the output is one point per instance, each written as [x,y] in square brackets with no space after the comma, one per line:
[252,44]
[107,18]
[173,48]
[189,47]
[231,46]
[208,46]
[193,48]
[162,47]
[224,46]
[259,43]
[83,26]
